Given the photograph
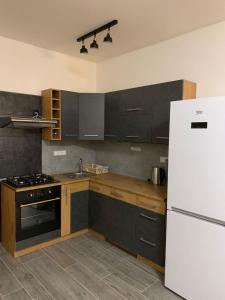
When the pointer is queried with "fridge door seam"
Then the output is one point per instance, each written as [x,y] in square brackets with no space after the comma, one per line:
[198,216]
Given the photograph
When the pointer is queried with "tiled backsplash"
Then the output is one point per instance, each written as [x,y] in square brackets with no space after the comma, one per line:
[118,156]
[121,160]
[69,163]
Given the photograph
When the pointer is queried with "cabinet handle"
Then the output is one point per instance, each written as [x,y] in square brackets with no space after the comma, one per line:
[91,135]
[162,137]
[110,135]
[132,136]
[147,242]
[148,217]
[134,109]
[70,135]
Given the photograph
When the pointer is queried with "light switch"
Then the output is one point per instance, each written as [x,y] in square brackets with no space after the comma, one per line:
[59,153]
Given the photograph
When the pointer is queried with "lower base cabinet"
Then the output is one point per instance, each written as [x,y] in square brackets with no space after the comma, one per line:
[79,210]
[150,236]
[137,230]
[113,218]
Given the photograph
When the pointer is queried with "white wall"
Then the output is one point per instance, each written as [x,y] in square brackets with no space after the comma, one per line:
[28,69]
[198,56]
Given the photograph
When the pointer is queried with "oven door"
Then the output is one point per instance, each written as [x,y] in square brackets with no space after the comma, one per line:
[38,217]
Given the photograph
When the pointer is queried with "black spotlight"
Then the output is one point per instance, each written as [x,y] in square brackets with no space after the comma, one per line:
[107,38]
[94,44]
[83,49]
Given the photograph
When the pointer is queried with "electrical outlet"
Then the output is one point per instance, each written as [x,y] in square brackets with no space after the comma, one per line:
[59,153]
[136,149]
[163,159]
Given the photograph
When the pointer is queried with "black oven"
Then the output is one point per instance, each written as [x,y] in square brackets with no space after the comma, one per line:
[38,211]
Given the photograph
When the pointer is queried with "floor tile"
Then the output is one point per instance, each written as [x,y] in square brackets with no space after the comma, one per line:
[96,286]
[58,282]
[97,267]
[25,277]
[133,275]
[8,283]
[30,256]
[18,295]
[123,288]
[57,254]
[158,292]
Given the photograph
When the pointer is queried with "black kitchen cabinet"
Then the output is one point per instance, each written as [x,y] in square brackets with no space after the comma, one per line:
[91,116]
[113,218]
[112,115]
[69,103]
[160,96]
[79,210]
[150,235]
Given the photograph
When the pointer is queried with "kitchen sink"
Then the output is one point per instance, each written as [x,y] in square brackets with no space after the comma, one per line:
[76,175]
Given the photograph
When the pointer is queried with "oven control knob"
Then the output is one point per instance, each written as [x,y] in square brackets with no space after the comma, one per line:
[30,195]
[49,192]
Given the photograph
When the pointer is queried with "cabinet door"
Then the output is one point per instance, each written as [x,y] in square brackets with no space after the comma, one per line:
[91,116]
[99,213]
[69,103]
[79,210]
[135,116]
[113,218]
[160,96]
[135,127]
[150,235]
[112,115]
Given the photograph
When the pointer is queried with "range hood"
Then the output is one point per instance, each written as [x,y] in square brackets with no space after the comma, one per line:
[25,122]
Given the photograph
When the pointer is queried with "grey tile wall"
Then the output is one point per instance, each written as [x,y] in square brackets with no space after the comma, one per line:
[117,156]
[20,149]
[69,163]
[121,160]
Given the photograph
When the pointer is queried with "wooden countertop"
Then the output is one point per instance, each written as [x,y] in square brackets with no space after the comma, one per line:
[132,185]
[124,183]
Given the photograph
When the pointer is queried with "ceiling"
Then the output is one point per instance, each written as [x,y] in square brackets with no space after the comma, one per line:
[55,24]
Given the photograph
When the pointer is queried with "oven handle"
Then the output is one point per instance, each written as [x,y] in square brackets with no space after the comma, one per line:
[39,202]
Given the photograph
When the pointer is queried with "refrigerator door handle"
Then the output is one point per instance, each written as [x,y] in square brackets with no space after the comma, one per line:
[198,216]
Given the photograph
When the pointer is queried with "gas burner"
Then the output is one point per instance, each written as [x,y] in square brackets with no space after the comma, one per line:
[29,180]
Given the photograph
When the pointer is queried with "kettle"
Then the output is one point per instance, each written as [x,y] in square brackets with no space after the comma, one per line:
[158,176]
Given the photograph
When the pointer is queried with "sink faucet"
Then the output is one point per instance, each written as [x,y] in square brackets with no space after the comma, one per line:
[80,165]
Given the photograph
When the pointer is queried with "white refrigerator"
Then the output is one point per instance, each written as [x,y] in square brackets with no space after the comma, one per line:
[195,241]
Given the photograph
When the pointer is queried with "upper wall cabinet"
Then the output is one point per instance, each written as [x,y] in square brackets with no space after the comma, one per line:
[69,104]
[142,114]
[113,101]
[91,116]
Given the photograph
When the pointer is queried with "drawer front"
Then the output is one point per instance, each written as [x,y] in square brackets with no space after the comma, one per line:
[150,236]
[79,186]
[113,192]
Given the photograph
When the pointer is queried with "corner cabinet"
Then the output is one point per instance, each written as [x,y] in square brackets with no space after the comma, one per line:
[138,230]
[91,116]
[69,103]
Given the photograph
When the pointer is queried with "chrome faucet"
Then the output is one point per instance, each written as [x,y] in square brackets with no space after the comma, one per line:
[81,165]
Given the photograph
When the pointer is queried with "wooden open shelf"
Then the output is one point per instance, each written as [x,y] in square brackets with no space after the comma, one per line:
[51,109]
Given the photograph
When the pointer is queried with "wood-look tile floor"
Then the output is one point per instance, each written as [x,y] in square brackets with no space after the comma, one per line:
[81,268]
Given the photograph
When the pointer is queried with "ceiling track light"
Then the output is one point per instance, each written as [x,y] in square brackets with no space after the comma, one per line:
[108,38]
[94,44]
[83,49]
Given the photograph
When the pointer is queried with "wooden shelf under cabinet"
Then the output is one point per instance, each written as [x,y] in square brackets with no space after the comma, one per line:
[51,109]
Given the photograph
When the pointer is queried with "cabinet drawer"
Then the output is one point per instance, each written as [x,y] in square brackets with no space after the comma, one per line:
[79,186]
[157,206]
[150,235]
[113,192]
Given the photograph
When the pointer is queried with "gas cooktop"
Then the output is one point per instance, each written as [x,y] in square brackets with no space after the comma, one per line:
[29,180]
